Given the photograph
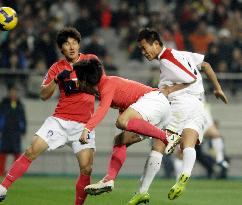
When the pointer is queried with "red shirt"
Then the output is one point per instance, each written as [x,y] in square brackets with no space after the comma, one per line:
[118,93]
[77,107]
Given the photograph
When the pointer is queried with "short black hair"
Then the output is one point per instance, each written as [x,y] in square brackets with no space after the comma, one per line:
[65,33]
[149,35]
[89,71]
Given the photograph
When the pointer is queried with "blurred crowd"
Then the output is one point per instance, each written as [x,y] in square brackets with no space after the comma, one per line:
[211,27]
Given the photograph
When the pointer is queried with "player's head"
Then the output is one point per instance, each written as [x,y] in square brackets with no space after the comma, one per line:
[150,43]
[89,71]
[68,41]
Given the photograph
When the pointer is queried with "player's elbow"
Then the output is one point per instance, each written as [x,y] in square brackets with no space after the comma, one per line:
[205,66]
[44,96]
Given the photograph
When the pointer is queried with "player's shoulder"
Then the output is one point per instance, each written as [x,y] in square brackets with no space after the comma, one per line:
[57,64]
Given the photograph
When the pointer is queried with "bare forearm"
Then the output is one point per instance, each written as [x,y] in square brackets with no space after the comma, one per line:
[170,89]
[177,87]
[207,69]
[47,90]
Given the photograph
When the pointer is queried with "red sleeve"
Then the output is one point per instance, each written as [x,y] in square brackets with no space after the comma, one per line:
[50,75]
[107,90]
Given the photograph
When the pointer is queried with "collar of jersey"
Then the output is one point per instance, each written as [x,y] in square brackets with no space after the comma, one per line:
[163,50]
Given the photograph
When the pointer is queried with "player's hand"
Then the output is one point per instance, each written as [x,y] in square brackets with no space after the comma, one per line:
[220,94]
[84,137]
[65,74]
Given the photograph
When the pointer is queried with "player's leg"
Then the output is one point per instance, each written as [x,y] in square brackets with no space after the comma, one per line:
[116,162]
[85,160]
[189,140]
[152,167]
[21,165]
[142,116]
[49,136]
[132,121]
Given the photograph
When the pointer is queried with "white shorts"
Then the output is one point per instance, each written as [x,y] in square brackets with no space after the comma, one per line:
[57,132]
[154,108]
[187,112]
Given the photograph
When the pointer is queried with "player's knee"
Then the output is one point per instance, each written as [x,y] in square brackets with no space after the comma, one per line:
[86,170]
[30,154]
[121,123]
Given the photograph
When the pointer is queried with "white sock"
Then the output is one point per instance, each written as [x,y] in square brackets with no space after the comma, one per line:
[189,158]
[152,166]
[178,167]
[218,146]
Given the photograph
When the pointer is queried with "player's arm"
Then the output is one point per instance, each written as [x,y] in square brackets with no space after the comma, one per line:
[218,92]
[106,95]
[50,83]
[47,91]
[170,89]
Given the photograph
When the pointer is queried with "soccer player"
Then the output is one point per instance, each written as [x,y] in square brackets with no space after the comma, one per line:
[121,93]
[72,112]
[212,132]
[141,108]
[187,109]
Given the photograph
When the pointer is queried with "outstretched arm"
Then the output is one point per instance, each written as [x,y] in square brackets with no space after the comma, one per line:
[218,92]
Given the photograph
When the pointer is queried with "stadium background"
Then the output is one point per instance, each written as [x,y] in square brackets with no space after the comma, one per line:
[109,28]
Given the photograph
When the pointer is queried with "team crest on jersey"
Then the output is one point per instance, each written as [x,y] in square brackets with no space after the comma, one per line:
[50,133]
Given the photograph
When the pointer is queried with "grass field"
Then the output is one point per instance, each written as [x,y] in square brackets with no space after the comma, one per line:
[60,191]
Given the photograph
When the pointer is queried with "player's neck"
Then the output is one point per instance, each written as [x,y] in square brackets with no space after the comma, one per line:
[72,61]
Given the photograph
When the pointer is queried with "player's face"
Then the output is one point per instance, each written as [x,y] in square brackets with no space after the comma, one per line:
[150,51]
[70,49]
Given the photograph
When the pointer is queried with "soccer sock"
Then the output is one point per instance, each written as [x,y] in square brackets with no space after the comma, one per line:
[218,146]
[189,157]
[152,166]
[19,167]
[116,162]
[81,183]
[143,127]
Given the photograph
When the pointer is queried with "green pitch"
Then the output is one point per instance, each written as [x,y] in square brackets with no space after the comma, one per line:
[60,191]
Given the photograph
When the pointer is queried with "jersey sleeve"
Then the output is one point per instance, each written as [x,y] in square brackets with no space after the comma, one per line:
[195,57]
[50,75]
[106,89]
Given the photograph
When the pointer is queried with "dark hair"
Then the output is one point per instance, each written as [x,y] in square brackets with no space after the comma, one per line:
[149,35]
[65,33]
[89,71]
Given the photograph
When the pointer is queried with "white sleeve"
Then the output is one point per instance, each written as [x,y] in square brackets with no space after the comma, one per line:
[195,57]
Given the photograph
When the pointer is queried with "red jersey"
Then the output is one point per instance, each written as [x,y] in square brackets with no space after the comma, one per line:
[77,107]
[118,93]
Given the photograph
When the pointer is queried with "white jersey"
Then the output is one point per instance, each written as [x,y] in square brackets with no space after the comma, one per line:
[181,67]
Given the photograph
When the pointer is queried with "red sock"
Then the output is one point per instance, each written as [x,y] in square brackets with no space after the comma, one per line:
[143,127]
[81,183]
[19,167]
[116,162]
